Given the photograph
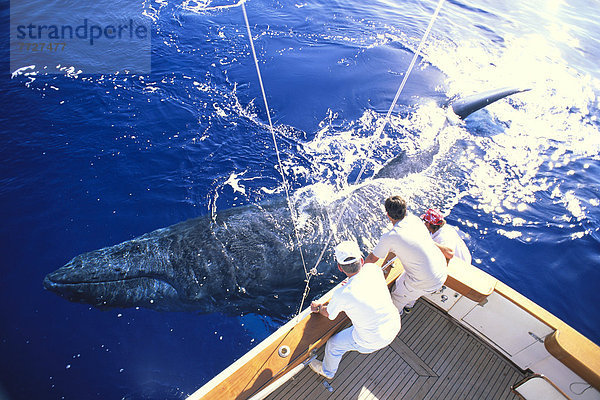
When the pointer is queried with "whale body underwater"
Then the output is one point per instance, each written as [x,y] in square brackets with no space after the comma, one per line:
[245,259]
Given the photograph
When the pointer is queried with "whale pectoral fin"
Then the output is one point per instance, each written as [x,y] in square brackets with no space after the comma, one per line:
[390,165]
[468,105]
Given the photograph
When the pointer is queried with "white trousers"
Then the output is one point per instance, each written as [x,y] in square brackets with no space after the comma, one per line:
[337,346]
[404,294]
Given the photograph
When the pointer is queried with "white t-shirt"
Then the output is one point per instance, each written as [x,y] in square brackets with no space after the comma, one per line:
[448,236]
[366,300]
[423,262]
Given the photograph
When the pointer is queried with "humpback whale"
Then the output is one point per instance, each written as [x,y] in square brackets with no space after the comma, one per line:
[243,260]
[238,262]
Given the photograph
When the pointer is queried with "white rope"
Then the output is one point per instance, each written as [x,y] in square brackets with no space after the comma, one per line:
[382,126]
[378,132]
[285,184]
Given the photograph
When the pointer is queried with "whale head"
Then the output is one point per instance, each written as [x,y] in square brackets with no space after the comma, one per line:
[243,262]
[133,273]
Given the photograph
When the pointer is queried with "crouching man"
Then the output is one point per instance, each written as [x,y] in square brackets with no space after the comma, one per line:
[424,264]
[365,299]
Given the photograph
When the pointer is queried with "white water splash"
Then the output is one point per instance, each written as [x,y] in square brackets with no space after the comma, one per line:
[234,182]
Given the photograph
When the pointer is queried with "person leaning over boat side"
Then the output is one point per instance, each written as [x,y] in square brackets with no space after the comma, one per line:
[424,264]
[445,236]
[365,299]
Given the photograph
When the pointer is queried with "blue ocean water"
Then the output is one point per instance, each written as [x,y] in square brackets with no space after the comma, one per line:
[93,160]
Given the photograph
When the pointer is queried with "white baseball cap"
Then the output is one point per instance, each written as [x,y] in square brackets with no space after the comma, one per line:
[347,252]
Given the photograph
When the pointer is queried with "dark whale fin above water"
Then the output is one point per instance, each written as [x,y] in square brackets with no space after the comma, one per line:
[403,165]
[468,105]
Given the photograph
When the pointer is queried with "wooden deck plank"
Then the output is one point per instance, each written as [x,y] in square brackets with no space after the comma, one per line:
[357,379]
[410,357]
[476,391]
[453,377]
[301,383]
[470,371]
[406,372]
[457,376]
[384,374]
[429,333]
[494,376]
[433,353]
[402,376]
[360,378]
[488,374]
[516,377]
[470,376]
[400,372]
[485,358]
[290,386]
[421,391]
[345,378]
[479,363]
[307,382]
[503,385]
[507,393]
[435,346]
[364,388]
[395,370]
[410,391]
[345,381]
[412,323]
[446,366]
[422,326]
[496,383]
[443,347]
[445,358]
[400,391]
[437,328]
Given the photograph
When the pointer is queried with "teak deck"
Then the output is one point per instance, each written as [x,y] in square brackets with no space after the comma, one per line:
[433,357]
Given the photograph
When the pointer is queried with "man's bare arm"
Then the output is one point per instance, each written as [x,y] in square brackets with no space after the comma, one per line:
[319,308]
[371,258]
[446,251]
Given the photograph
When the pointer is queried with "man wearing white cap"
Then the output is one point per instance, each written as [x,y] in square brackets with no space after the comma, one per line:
[365,299]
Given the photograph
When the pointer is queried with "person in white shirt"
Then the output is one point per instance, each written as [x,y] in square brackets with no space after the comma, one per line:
[445,236]
[424,264]
[365,299]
